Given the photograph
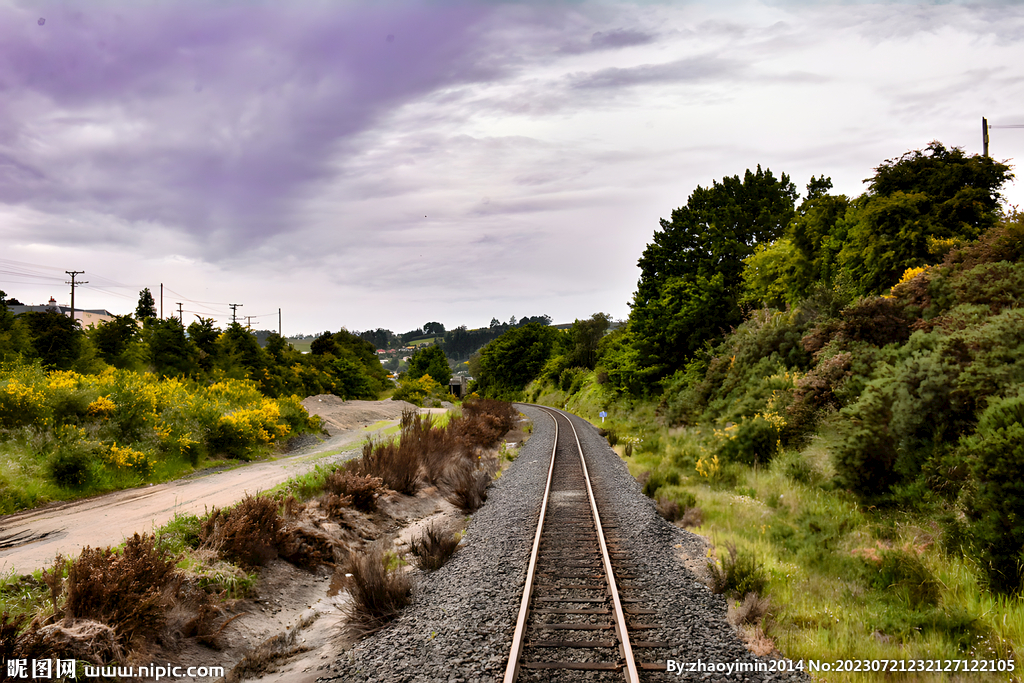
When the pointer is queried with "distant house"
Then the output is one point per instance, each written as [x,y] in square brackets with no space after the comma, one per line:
[87,317]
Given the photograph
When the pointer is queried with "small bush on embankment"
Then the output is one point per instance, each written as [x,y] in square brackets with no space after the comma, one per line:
[67,435]
[434,547]
[379,589]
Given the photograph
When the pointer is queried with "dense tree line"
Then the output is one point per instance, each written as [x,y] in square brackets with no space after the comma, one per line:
[458,343]
[340,362]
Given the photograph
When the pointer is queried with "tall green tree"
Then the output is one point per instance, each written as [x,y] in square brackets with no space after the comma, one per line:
[511,361]
[113,337]
[146,308]
[691,273]
[430,360]
[917,208]
[203,333]
[583,339]
[171,352]
[56,338]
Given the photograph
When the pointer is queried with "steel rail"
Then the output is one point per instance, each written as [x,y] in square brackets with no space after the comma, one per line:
[512,670]
[621,628]
[632,676]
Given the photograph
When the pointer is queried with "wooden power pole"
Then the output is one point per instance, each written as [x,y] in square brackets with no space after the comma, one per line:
[73,284]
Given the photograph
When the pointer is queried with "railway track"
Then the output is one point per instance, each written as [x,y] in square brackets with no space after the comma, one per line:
[582,607]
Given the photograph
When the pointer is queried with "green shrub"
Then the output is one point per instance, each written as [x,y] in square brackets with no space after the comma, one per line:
[865,456]
[71,467]
[740,573]
[71,463]
[996,505]
[756,442]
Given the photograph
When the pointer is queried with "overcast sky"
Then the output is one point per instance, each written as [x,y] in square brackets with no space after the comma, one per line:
[368,164]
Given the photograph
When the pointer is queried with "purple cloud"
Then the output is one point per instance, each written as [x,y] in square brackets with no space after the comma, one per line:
[210,118]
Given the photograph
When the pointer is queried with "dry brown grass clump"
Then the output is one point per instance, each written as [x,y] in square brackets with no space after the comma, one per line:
[396,464]
[362,491]
[466,488]
[446,456]
[750,611]
[434,547]
[668,508]
[305,546]
[484,421]
[693,517]
[246,533]
[379,589]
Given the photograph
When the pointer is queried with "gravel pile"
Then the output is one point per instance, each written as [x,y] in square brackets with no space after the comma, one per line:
[459,627]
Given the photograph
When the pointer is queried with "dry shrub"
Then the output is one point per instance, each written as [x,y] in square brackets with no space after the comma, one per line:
[484,421]
[305,546]
[84,639]
[361,490]
[668,508]
[247,532]
[466,488]
[292,507]
[333,504]
[434,455]
[126,590]
[750,611]
[434,547]
[693,517]
[397,464]
[378,591]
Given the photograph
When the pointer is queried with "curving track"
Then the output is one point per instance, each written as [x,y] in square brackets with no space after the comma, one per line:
[582,609]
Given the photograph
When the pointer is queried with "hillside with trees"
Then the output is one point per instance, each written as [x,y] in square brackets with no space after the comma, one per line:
[833,389]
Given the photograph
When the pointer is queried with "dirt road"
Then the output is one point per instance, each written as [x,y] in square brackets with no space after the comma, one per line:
[106,520]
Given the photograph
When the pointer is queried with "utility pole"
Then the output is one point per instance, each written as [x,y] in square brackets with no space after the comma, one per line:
[248,322]
[278,322]
[161,301]
[180,319]
[234,309]
[984,136]
[73,284]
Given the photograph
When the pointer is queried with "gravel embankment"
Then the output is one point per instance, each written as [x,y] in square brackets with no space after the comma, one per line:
[459,627]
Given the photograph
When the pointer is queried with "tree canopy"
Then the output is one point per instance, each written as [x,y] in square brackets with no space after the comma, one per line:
[429,360]
[691,273]
[508,363]
[146,308]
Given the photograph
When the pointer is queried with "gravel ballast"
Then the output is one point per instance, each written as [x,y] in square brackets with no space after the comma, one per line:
[460,624]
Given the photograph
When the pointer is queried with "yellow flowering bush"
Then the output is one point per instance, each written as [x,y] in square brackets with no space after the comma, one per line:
[20,404]
[415,390]
[125,458]
[102,408]
[93,430]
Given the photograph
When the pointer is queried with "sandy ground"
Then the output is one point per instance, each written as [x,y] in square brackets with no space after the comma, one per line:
[106,520]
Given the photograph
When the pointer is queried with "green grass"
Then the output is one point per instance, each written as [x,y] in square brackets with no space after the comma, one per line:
[424,342]
[302,345]
[844,581]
